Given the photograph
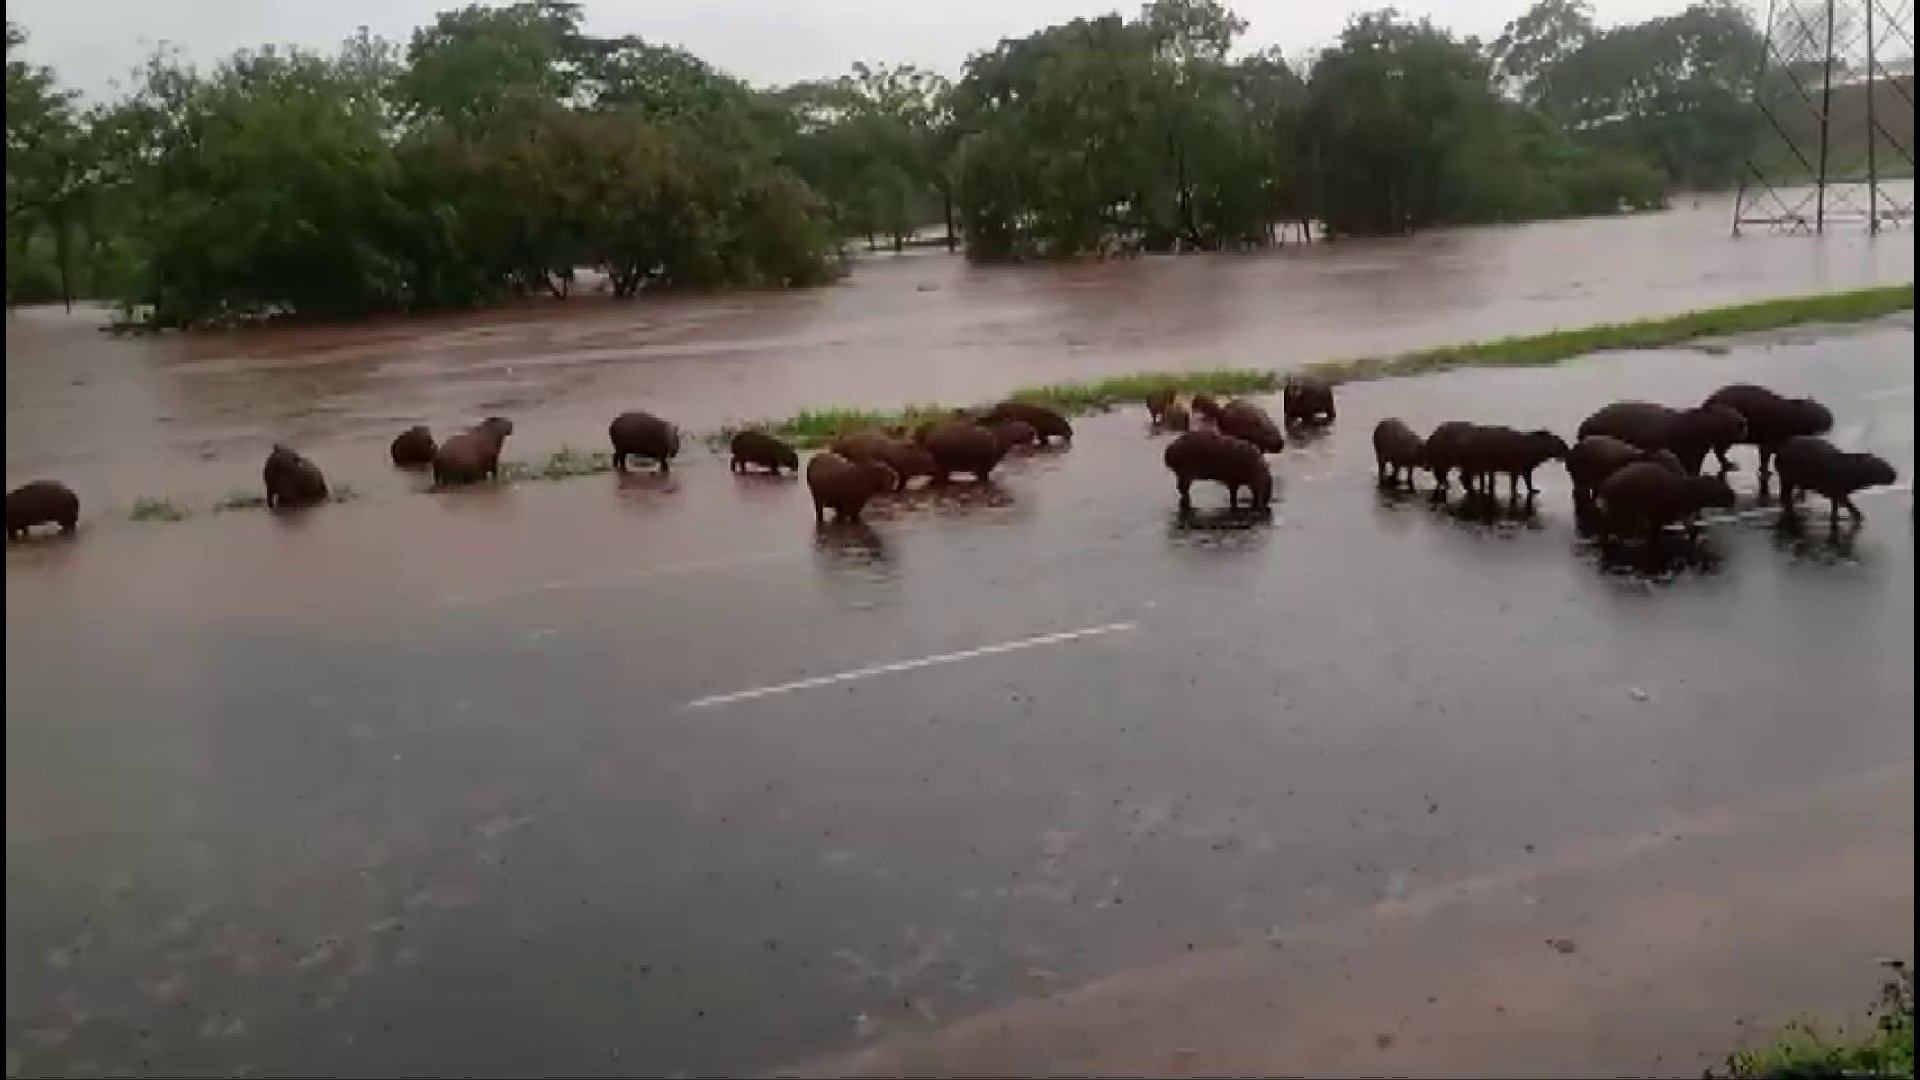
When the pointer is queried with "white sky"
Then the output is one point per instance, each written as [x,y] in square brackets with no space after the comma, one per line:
[94,43]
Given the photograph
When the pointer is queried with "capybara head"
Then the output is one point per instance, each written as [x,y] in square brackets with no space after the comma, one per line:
[1206,406]
[879,474]
[1811,418]
[498,426]
[1705,492]
[1549,446]
[1012,433]
[1867,470]
[1720,425]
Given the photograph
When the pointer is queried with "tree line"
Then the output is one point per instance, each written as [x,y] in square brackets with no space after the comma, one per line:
[503,147]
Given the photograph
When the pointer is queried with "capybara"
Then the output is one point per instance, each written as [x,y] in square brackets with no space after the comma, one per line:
[1689,433]
[1493,449]
[1305,399]
[1395,449]
[473,455]
[1249,422]
[1158,399]
[1771,420]
[42,502]
[1206,408]
[865,445]
[845,486]
[1595,458]
[908,459]
[961,447]
[1048,423]
[292,480]
[1810,463]
[755,447]
[1175,417]
[1645,497]
[1231,462]
[643,435]
[413,448]
[1444,452]
[1012,433]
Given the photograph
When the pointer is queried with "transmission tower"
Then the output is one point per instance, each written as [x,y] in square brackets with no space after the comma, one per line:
[1835,89]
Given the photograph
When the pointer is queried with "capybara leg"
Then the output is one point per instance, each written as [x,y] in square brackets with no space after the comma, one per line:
[734,465]
[819,513]
[619,460]
[1726,463]
[1380,470]
[666,466]
[1766,471]
[1854,511]
[1233,496]
[1186,493]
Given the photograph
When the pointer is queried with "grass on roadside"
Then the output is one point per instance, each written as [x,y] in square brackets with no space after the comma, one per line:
[817,427]
[1557,345]
[149,508]
[1802,1050]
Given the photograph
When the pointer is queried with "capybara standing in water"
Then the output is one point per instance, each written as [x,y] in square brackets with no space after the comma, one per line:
[1250,423]
[961,447]
[1225,460]
[1810,463]
[1493,449]
[42,502]
[1689,433]
[844,486]
[1594,459]
[908,459]
[1444,451]
[1206,408]
[1305,399]
[643,435]
[1158,399]
[1396,448]
[292,480]
[1646,497]
[413,448]
[473,455]
[756,447]
[1175,417]
[1047,422]
[1771,420]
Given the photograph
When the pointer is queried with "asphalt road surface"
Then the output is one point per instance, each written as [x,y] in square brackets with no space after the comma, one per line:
[650,777]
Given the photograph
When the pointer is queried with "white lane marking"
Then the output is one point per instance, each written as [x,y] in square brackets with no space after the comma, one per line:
[615,580]
[911,665]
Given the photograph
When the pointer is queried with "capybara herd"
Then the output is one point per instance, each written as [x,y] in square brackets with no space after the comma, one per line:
[1635,466]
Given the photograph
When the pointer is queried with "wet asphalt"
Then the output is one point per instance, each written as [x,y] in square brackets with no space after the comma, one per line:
[650,777]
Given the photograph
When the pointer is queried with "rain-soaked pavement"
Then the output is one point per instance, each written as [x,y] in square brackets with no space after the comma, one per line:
[596,777]
[193,417]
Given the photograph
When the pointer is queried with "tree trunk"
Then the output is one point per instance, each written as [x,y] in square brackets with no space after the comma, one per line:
[946,198]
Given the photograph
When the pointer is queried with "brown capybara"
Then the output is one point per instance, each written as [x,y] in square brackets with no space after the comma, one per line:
[865,445]
[1206,408]
[755,447]
[1645,497]
[473,455]
[1595,458]
[1771,420]
[41,502]
[1305,399]
[1810,463]
[1444,451]
[1175,417]
[1250,423]
[1012,433]
[1493,449]
[908,459]
[413,448]
[1231,462]
[1158,399]
[646,436]
[1049,423]
[845,486]
[292,480]
[1689,433]
[1396,449]
[960,447]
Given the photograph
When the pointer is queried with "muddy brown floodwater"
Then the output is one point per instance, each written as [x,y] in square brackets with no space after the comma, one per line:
[123,418]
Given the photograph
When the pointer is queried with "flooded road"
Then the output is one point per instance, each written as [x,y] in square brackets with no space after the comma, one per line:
[124,418]
[597,777]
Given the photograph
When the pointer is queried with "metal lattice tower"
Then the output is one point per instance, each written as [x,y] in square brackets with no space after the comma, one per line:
[1835,89]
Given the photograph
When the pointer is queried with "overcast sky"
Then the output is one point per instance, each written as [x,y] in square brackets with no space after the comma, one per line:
[93,43]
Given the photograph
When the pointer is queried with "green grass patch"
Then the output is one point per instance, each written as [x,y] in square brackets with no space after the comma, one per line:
[149,508]
[563,464]
[1101,395]
[813,428]
[240,500]
[1550,348]
[1802,1050]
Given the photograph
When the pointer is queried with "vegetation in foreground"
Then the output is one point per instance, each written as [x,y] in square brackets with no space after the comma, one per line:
[1803,1052]
[815,428]
[503,146]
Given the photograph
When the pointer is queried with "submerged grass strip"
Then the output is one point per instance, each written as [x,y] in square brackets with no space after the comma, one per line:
[815,428]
